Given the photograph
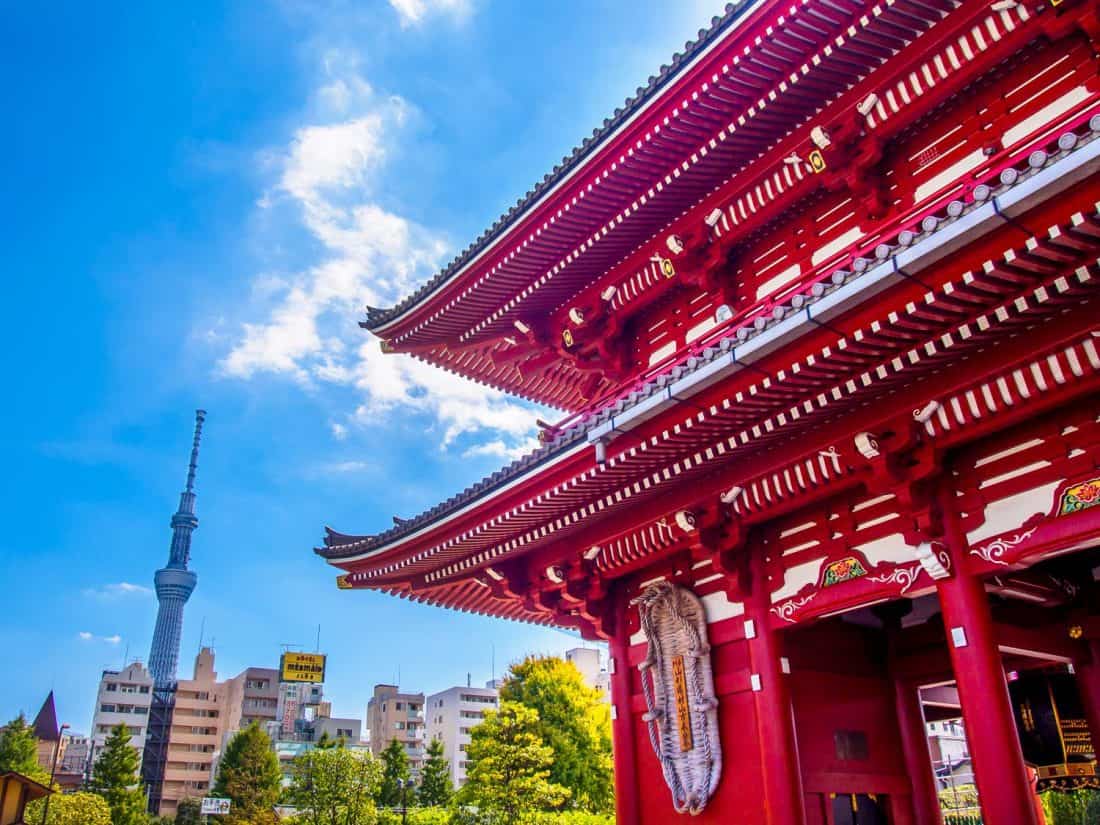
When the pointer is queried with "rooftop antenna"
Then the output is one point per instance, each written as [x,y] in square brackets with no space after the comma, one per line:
[493,660]
[318,648]
[202,631]
[125,656]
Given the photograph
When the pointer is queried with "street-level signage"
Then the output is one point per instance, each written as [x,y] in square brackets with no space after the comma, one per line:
[213,805]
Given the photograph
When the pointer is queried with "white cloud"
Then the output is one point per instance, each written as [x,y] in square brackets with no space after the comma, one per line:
[85,636]
[303,326]
[118,590]
[346,467]
[413,12]
[501,450]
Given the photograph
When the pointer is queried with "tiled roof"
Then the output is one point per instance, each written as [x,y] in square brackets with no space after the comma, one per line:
[339,546]
[376,316]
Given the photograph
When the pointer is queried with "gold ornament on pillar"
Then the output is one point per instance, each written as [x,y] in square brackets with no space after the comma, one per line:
[678,684]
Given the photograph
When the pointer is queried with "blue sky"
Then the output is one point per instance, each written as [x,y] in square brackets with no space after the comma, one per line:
[200,199]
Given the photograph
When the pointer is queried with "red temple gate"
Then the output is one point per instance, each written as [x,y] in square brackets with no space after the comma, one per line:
[820,304]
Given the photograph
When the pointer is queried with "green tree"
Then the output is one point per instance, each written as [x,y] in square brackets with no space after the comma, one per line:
[395,766]
[574,721]
[1071,807]
[115,778]
[19,750]
[249,776]
[510,773]
[71,809]
[435,779]
[335,786]
[188,812]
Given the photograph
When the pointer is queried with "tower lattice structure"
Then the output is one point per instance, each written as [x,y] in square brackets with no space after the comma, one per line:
[174,582]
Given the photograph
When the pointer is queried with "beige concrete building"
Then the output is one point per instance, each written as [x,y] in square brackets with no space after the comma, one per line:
[395,715]
[206,714]
[199,716]
[253,697]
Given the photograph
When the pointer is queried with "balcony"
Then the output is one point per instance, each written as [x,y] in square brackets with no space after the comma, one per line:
[176,772]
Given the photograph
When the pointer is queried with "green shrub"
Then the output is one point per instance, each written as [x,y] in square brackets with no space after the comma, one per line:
[1080,807]
[416,816]
[959,798]
[467,816]
[568,818]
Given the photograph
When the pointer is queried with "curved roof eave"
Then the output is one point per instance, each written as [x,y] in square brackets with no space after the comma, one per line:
[377,319]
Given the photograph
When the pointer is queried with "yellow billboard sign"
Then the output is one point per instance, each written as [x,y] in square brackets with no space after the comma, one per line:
[302,667]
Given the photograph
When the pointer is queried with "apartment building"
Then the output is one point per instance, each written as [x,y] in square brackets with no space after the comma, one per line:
[395,715]
[253,696]
[199,715]
[451,715]
[123,697]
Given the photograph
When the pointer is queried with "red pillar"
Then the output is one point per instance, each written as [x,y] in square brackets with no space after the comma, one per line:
[999,771]
[774,712]
[918,760]
[1088,685]
[622,725]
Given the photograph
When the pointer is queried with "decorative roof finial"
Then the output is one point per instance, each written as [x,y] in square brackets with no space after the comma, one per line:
[200,416]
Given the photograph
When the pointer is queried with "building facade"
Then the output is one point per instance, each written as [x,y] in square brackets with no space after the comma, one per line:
[451,716]
[820,302]
[77,754]
[395,715]
[252,696]
[123,697]
[200,715]
[590,662]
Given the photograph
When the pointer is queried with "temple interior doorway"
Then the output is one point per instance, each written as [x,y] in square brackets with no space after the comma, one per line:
[859,809]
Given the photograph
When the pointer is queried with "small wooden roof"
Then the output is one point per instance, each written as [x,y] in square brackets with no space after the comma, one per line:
[35,790]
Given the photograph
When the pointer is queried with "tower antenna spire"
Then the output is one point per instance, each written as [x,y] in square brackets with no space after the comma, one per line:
[200,416]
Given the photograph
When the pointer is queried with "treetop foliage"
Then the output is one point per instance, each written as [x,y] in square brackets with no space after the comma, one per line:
[511,767]
[574,722]
[19,750]
[249,776]
[436,787]
[335,786]
[115,778]
[71,809]
[395,766]
[188,812]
